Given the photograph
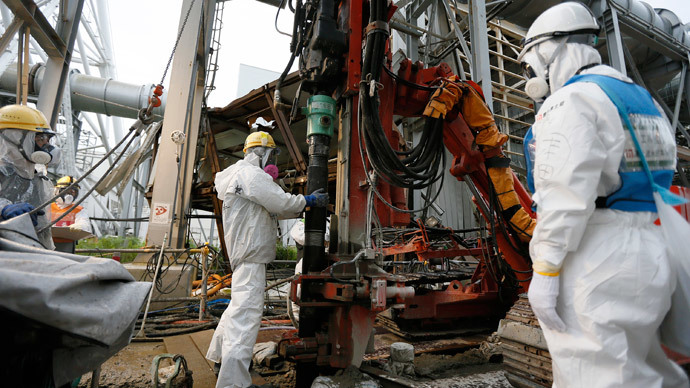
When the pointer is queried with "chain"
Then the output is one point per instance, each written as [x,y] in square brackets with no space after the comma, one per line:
[179,35]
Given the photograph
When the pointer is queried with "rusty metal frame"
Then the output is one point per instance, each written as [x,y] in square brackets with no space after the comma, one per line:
[212,152]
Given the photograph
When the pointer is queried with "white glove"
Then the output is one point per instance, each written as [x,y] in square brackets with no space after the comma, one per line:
[543,292]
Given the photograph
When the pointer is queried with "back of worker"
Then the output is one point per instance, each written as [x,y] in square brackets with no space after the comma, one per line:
[602,282]
[252,204]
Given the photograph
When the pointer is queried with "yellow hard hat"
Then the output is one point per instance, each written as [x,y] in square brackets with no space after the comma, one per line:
[259,139]
[24,117]
[66,181]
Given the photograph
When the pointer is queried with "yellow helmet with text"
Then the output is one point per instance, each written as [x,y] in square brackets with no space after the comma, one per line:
[259,139]
[24,117]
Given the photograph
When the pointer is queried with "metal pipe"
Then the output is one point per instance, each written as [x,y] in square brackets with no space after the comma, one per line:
[140,250]
[153,286]
[93,94]
[204,283]
[320,121]
[679,95]
[179,299]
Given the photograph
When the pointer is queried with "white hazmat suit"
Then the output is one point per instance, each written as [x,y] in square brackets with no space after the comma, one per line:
[615,279]
[252,203]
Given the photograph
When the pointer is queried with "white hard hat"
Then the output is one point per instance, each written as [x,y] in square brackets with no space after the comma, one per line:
[570,18]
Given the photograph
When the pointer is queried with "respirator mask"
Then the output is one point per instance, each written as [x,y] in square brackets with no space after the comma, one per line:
[268,157]
[537,88]
[66,198]
[537,74]
[46,153]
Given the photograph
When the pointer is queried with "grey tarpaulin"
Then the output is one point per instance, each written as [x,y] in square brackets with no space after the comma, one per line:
[90,303]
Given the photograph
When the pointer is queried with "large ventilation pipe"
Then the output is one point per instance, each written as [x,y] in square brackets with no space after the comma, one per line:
[662,21]
[93,94]
[657,69]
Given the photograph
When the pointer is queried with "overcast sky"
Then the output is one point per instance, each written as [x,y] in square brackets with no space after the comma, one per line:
[143,40]
[144,32]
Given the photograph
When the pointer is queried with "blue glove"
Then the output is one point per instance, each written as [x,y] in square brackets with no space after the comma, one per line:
[318,198]
[17,209]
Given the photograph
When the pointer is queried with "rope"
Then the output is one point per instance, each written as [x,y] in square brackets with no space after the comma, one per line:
[76,182]
[110,102]
[112,166]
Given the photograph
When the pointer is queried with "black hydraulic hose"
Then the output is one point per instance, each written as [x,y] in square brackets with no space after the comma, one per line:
[373,186]
[415,168]
[391,159]
[421,158]
[408,83]
[294,43]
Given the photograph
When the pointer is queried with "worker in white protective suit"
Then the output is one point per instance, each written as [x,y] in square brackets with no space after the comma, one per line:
[601,284]
[77,218]
[252,204]
[26,141]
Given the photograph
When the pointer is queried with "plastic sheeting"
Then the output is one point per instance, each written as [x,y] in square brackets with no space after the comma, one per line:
[18,181]
[89,304]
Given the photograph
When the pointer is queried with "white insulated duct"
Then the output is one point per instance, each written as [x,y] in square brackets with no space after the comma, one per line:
[93,94]
[657,65]
[661,21]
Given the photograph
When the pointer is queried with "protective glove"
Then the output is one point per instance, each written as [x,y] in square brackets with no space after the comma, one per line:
[318,198]
[17,209]
[543,292]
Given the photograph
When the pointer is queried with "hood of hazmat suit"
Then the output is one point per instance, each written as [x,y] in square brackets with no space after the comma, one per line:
[18,180]
[615,279]
[252,205]
[85,306]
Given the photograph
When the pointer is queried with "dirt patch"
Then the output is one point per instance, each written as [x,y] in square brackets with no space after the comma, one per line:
[382,343]
[494,379]
[351,377]
[441,365]
[129,368]
[282,380]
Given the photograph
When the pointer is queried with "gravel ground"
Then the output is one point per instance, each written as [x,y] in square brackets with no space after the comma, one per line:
[129,368]
[494,379]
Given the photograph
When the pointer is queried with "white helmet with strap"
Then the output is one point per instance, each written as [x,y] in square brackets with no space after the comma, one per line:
[572,22]
[564,19]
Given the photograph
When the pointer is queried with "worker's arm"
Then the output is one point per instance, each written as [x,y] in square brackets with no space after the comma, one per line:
[258,187]
[574,134]
[81,221]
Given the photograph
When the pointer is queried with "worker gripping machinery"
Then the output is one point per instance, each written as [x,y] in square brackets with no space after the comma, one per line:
[345,65]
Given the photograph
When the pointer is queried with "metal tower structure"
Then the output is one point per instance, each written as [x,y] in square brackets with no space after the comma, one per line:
[71,45]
